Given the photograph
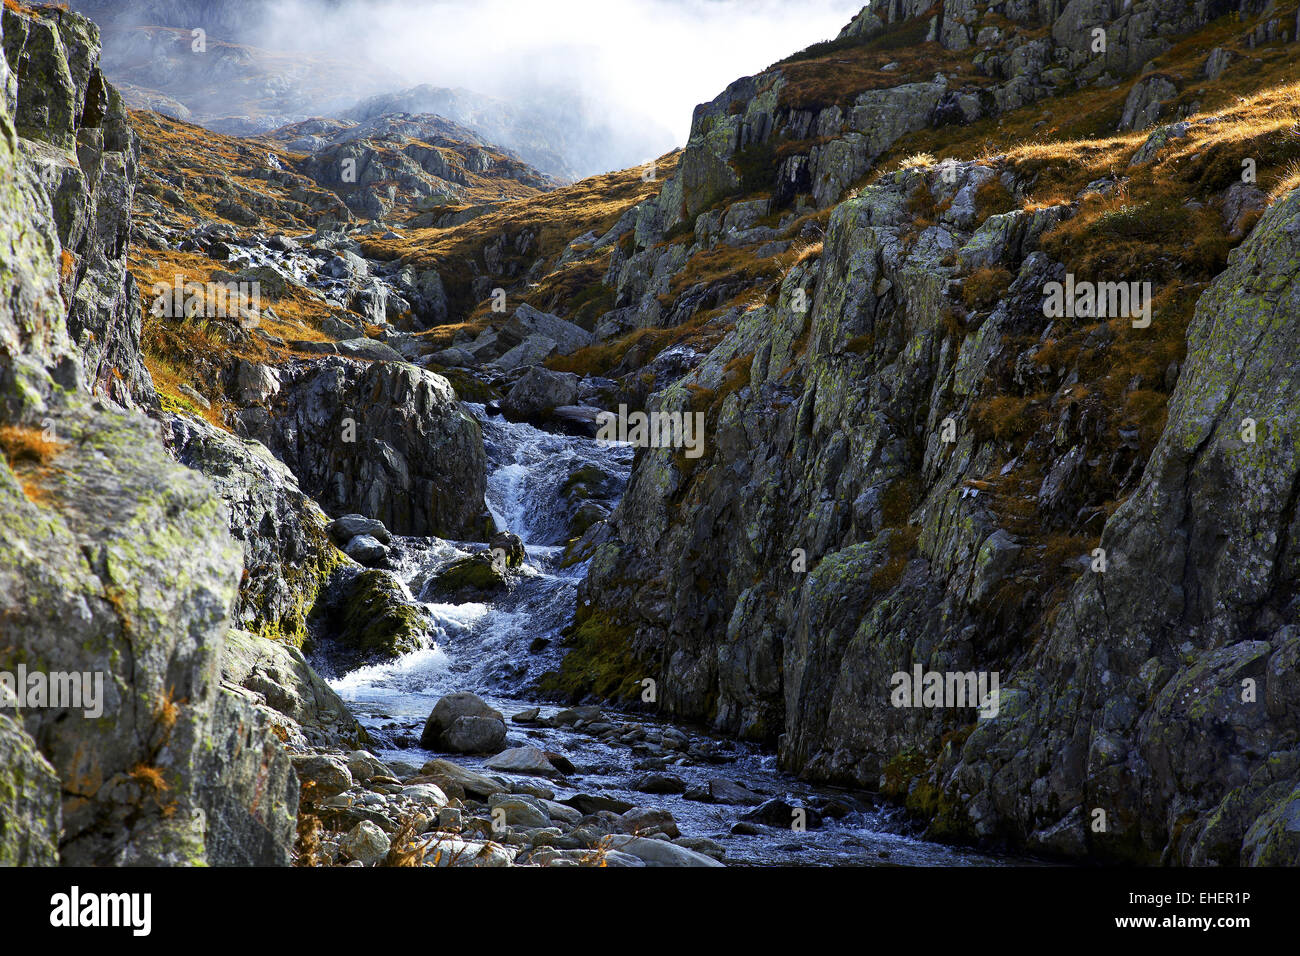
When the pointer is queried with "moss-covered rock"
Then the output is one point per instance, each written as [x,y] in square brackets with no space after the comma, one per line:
[369,616]
[600,662]
[29,800]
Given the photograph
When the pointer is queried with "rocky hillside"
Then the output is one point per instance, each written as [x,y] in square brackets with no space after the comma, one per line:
[910,462]
[182,564]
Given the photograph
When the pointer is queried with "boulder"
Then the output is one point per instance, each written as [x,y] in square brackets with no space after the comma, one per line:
[366,550]
[728,791]
[520,810]
[426,795]
[528,322]
[663,853]
[538,392]
[464,723]
[523,760]
[531,351]
[658,783]
[370,616]
[385,440]
[322,776]
[365,842]
[474,783]
[1146,101]
[347,527]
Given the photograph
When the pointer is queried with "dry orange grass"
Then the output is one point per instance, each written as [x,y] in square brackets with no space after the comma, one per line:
[30,453]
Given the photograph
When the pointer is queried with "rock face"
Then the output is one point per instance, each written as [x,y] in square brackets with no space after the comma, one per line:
[831,537]
[29,800]
[76,135]
[1171,683]
[386,440]
[288,556]
[117,563]
[275,679]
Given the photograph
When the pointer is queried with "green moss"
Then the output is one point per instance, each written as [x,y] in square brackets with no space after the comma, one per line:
[478,572]
[375,618]
[600,661]
[305,581]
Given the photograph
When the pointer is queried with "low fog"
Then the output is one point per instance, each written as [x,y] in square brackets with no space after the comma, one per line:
[645,60]
[629,72]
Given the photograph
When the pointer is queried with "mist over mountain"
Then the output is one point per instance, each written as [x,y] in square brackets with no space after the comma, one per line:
[575,88]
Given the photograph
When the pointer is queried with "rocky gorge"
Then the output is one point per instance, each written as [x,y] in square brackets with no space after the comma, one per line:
[365,588]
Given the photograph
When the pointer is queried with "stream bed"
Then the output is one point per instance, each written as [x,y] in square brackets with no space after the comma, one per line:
[498,649]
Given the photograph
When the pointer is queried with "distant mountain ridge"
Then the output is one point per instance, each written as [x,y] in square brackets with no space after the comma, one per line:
[241,87]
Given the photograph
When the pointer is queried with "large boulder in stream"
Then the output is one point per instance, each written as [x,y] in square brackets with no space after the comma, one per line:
[369,616]
[464,723]
[538,392]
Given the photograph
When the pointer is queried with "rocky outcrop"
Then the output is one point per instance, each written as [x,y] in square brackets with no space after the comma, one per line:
[288,556]
[840,529]
[117,571]
[1167,693]
[29,799]
[386,440]
[74,132]
[276,680]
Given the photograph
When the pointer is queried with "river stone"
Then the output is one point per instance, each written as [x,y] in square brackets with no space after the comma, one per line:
[475,735]
[572,715]
[363,765]
[520,810]
[322,775]
[648,821]
[477,784]
[366,842]
[658,783]
[347,527]
[588,803]
[728,791]
[562,812]
[538,392]
[663,853]
[425,794]
[366,550]
[453,851]
[526,759]
[778,813]
[463,723]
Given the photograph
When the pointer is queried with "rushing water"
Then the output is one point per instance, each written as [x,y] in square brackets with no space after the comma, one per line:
[498,649]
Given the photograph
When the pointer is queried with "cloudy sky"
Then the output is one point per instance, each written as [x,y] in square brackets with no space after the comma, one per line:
[647,61]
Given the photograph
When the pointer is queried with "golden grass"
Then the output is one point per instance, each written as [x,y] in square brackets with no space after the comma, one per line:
[552,220]
[30,453]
